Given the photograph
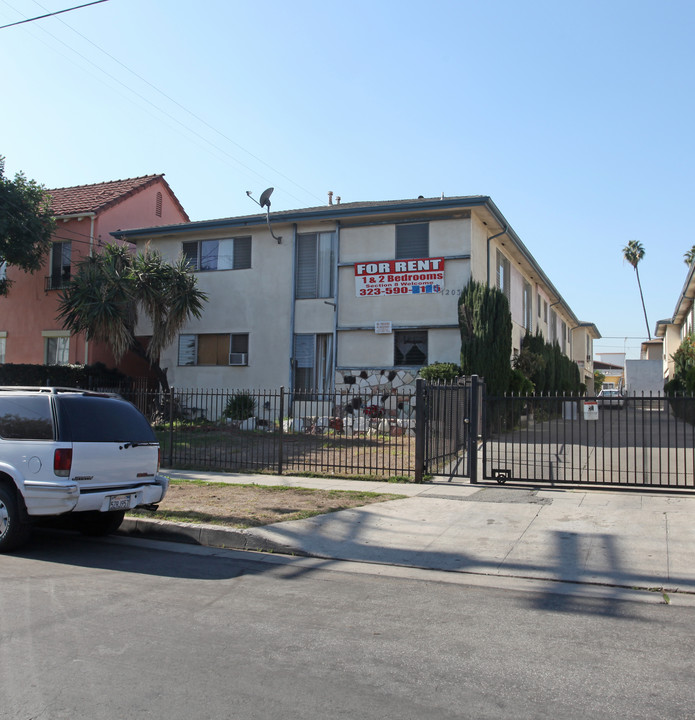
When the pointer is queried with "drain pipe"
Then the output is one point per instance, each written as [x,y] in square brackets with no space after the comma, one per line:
[492,237]
[292,309]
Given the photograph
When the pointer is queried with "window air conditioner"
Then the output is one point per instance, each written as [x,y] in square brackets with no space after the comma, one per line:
[238,358]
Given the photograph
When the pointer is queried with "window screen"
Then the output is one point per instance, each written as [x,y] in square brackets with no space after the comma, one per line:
[315,262]
[412,241]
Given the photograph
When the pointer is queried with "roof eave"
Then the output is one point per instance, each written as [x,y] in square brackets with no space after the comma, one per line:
[330,212]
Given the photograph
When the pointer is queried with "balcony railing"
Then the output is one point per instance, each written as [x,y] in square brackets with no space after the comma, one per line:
[56,282]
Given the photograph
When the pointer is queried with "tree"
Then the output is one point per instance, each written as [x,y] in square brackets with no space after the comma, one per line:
[599,377]
[689,257]
[26,224]
[486,335]
[633,252]
[109,290]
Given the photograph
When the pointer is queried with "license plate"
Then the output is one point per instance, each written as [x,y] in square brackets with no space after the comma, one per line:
[119,502]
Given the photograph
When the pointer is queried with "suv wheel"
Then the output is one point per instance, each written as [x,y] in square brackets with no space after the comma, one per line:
[97,524]
[13,531]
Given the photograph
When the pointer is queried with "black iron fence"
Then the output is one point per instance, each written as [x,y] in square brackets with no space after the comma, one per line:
[283,431]
[453,430]
[638,440]
[451,414]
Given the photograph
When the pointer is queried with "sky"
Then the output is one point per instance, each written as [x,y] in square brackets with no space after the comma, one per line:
[575,118]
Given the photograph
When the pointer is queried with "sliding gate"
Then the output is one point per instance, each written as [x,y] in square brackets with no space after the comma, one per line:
[637,441]
[634,441]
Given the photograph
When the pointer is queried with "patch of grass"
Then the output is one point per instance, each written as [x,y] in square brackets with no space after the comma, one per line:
[249,505]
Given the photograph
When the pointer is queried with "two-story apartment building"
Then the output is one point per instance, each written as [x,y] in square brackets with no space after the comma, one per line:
[360,293]
[86,215]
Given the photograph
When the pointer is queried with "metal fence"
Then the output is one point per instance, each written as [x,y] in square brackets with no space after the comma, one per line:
[640,440]
[350,433]
[447,410]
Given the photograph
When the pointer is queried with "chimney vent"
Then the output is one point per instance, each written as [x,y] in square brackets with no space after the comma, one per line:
[330,197]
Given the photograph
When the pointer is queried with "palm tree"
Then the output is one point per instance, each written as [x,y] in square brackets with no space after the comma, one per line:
[108,291]
[689,257]
[633,252]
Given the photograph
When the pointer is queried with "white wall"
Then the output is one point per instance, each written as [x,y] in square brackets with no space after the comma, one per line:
[254,301]
[372,243]
[644,376]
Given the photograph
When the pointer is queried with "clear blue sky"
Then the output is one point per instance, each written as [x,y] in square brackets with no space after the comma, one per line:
[576,118]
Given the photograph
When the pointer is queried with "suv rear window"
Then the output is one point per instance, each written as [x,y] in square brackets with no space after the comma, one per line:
[98,419]
[26,417]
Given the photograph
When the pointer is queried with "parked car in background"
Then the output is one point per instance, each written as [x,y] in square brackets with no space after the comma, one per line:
[611,399]
[81,457]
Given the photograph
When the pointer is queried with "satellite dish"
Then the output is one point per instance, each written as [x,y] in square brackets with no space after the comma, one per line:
[265,198]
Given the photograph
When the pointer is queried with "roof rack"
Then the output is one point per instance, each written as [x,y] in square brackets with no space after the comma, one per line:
[54,390]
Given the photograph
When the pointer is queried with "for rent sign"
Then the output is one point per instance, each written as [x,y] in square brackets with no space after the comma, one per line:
[399,277]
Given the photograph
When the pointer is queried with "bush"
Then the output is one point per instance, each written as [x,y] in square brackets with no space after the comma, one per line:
[441,372]
[519,384]
[240,406]
[80,376]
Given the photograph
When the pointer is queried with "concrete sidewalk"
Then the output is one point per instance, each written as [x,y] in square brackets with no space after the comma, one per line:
[612,538]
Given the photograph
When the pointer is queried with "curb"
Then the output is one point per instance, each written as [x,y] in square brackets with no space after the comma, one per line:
[206,535]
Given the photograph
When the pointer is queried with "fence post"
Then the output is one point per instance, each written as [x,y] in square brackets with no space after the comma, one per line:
[171,427]
[473,430]
[420,430]
[281,429]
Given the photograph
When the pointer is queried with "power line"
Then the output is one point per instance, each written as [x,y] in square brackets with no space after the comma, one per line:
[169,115]
[58,12]
[185,109]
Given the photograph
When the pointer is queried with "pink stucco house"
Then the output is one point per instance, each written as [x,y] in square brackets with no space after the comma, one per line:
[85,215]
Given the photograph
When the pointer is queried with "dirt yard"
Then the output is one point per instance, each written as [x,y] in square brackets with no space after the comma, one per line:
[244,506]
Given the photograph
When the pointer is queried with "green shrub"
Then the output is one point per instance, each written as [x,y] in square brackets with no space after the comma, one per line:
[441,372]
[80,376]
[240,406]
[519,384]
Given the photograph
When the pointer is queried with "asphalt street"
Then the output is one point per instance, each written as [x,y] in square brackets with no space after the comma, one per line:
[125,628]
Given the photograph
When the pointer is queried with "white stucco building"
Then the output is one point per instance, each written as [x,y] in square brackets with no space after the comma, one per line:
[353,294]
[676,328]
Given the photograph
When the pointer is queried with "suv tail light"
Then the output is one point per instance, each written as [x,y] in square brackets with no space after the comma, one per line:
[62,462]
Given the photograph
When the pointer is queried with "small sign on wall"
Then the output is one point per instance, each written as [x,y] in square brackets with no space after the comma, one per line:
[383,327]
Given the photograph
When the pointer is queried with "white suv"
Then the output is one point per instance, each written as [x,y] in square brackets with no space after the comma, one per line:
[74,454]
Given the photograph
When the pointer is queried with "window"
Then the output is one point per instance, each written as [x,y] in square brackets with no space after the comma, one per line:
[158,205]
[528,308]
[545,311]
[503,274]
[552,330]
[538,303]
[3,342]
[563,334]
[410,347]
[412,241]
[313,362]
[60,265]
[214,349]
[223,254]
[315,265]
[56,350]
[26,418]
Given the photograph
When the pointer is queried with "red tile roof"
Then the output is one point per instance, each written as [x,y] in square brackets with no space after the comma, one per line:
[97,197]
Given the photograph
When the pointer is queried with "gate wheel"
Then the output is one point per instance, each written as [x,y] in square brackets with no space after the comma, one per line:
[501,475]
